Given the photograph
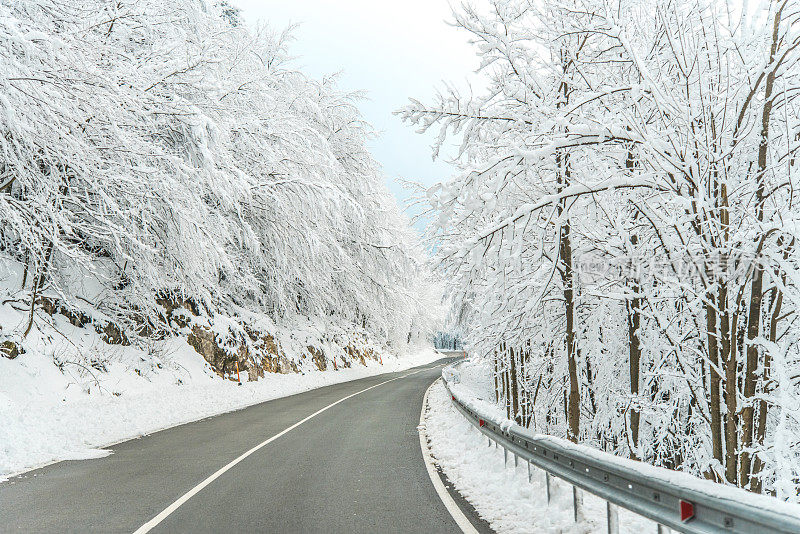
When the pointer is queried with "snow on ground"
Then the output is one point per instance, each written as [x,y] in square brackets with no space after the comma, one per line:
[49,414]
[502,494]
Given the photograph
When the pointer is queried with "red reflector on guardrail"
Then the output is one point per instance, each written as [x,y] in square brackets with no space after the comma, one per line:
[452,397]
[481,422]
[687,510]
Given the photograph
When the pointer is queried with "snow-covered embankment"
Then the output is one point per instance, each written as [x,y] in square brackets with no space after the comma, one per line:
[49,413]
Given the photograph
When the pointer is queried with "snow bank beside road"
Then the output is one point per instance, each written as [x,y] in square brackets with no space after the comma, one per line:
[47,415]
[502,495]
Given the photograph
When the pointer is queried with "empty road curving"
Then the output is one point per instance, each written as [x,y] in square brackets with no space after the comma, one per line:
[343,458]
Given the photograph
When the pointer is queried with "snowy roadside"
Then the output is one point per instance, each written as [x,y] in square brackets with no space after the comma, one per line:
[46,415]
[502,495]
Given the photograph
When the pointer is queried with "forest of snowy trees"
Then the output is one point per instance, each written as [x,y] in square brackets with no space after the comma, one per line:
[175,159]
[620,239]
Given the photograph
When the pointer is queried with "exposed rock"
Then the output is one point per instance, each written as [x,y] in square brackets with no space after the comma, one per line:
[143,327]
[48,306]
[269,355]
[205,343]
[260,353]
[355,354]
[10,349]
[223,362]
[75,317]
[171,304]
[318,357]
[112,334]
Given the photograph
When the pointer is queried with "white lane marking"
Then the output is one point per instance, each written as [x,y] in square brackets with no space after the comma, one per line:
[147,527]
[459,517]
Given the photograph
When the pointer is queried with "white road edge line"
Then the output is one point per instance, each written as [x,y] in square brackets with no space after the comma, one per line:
[458,516]
[147,527]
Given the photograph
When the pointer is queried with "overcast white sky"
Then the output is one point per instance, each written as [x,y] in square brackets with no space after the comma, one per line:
[391,50]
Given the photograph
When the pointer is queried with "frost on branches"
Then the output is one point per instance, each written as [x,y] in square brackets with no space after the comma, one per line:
[621,237]
[158,155]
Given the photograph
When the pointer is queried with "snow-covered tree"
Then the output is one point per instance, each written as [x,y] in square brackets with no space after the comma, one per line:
[620,235]
[168,153]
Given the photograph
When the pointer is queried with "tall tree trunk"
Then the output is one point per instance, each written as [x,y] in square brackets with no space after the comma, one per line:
[750,377]
[717,318]
[525,406]
[715,400]
[731,415]
[506,382]
[563,180]
[567,277]
[756,483]
[634,362]
[756,287]
[633,306]
[496,377]
[723,335]
[590,386]
[25,270]
[513,379]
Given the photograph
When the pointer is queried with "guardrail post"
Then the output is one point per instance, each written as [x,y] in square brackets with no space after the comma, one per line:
[575,503]
[505,457]
[516,460]
[529,471]
[547,485]
[663,530]
[612,513]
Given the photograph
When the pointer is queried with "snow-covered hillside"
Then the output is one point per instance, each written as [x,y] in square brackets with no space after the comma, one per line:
[71,392]
[180,206]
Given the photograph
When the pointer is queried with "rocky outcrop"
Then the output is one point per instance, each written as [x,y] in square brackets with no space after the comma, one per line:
[259,353]
[267,356]
[318,357]
[171,304]
[9,349]
[111,333]
[253,351]
[262,355]
[361,354]
[75,317]
[204,341]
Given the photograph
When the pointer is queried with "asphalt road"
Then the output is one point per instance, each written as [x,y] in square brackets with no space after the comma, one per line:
[356,467]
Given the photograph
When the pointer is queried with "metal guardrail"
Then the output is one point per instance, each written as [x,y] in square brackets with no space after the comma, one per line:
[698,507]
